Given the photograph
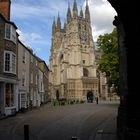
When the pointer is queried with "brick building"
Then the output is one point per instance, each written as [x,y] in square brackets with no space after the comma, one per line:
[8,61]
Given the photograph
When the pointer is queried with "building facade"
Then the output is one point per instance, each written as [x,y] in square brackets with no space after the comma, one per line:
[44,71]
[32,77]
[23,75]
[72,60]
[8,61]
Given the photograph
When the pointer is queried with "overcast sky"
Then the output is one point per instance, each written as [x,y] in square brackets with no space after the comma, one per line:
[34,20]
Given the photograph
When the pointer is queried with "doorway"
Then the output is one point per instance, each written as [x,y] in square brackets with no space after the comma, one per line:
[90,96]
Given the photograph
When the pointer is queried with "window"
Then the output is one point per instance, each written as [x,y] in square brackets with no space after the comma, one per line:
[9,95]
[23,100]
[23,79]
[31,58]
[10,33]
[83,61]
[36,62]
[13,63]
[36,79]
[31,77]
[24,56]
[9,62]
[85,72]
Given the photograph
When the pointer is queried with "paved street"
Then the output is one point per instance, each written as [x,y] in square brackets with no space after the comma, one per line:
[86,121]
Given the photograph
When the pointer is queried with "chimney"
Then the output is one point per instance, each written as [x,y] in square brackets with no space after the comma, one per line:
[5,8]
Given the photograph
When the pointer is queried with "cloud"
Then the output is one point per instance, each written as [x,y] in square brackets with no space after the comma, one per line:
[43,10]
[25,37]
[102,16]
[34,19]
[35,36]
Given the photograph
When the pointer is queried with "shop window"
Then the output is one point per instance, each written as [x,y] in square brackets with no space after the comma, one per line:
[9,95]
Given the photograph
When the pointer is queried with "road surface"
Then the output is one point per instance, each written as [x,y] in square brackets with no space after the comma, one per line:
[60,123]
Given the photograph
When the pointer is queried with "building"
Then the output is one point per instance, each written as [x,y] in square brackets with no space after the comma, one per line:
[38,81]
[33,78]
[33,81]
[72,60]
[23,75]
[44,81]
[8,61]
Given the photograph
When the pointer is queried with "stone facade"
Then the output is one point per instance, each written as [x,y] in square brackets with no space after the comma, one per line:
[33,78]
[23,75]
[8,64]
[45,70]
[38,81]
[33,81]
[72,60]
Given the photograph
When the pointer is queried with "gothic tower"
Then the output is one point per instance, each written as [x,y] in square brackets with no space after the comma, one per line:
[72,60]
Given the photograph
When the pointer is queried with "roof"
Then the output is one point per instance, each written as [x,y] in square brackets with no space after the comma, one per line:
[7,21]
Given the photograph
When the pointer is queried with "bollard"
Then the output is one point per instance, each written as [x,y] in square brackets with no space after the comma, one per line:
[26,132]
[74,138]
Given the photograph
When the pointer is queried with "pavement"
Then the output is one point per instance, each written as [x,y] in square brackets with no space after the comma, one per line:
[3,117]
[106,131]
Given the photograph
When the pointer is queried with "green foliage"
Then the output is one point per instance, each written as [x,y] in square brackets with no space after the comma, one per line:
[109,62]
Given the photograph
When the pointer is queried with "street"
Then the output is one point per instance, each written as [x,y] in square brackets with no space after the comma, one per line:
[62,122]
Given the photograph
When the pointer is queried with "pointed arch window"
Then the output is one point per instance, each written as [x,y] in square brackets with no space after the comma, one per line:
[85,72]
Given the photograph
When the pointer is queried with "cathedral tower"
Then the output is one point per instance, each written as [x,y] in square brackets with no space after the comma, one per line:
[72,60]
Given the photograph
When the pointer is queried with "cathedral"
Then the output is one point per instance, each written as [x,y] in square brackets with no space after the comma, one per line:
[72,59]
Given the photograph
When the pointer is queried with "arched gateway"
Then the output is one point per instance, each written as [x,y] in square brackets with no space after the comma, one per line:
[90,96]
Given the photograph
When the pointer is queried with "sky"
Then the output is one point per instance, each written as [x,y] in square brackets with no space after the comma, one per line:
[34,20]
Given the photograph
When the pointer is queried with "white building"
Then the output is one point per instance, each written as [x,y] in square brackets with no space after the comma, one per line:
[23,75]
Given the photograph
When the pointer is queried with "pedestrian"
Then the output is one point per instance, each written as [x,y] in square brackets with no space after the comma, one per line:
[97,100]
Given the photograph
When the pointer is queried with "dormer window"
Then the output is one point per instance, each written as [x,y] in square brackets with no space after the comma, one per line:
[10,33]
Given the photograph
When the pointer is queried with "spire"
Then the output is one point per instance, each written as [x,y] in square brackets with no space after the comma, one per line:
[75,11]
[68,13]
[53,26]
[87,13]
[65,26]
[58,22]
[81,12]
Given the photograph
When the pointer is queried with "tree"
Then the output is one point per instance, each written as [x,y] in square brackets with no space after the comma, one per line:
[109,62]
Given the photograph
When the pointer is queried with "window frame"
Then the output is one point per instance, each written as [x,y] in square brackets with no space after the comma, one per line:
[23,79]
[12,66]
[10,33]
[24,56]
